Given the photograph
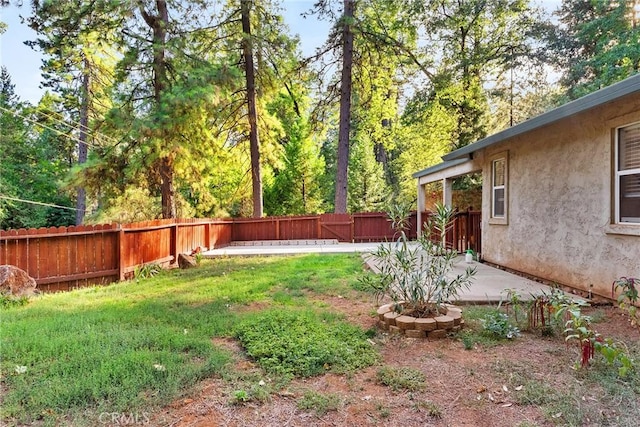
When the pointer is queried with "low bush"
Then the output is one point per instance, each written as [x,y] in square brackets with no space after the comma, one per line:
[304,344]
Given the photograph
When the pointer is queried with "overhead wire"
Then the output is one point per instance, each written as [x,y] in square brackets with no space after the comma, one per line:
[79,126]
[15,199]
[59,132]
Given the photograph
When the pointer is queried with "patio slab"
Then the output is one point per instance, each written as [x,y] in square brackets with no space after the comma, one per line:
[489,284]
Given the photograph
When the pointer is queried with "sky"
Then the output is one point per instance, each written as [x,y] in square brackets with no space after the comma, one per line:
[23,63]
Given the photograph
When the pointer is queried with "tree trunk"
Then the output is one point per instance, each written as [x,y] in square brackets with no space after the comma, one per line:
[340,205]
[254,140]
[81,200]
[158,24]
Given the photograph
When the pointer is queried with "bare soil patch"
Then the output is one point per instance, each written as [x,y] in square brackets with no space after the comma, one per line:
[493,387]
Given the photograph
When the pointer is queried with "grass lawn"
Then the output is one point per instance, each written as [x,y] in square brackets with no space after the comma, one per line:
[274,340]
[69,357]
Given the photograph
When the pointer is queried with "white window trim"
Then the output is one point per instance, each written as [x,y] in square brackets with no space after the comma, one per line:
[502,219]
[618,175]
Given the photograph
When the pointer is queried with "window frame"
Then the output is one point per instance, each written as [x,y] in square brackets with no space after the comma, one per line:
[617,177]
[503,218]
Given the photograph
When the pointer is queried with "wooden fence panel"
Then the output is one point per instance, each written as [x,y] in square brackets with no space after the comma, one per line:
[248,229]
[220,233]
[336,226]
[372,227]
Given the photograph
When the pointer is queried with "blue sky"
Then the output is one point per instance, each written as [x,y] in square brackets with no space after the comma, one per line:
[23,62]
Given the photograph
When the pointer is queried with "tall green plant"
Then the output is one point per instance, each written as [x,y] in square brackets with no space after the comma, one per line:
[416,276]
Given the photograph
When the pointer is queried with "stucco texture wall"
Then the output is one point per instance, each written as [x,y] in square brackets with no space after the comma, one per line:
[559,201]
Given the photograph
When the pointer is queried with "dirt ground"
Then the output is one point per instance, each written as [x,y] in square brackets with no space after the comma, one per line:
[477,387]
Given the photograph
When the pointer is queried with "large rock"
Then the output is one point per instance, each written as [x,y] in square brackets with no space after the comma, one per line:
[186,261]
[15,281]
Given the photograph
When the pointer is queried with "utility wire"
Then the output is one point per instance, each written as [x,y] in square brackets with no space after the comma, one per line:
[79,126]
[36,203]
[73,138]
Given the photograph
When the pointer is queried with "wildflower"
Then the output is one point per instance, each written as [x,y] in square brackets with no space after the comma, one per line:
[21,369]
[159,367]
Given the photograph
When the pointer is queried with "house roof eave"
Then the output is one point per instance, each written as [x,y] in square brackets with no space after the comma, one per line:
[440,167]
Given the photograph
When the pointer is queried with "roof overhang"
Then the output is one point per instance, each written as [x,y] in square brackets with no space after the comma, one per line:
[447,170]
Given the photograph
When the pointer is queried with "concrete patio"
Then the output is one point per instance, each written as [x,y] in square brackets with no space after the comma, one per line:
[489,284]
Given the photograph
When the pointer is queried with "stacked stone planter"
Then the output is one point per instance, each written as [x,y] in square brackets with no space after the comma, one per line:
[417,327]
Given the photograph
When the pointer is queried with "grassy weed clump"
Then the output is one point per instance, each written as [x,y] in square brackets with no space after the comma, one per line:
[397,379]
[304,344]
[320,403]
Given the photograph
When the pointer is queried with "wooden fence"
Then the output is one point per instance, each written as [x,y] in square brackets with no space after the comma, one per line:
[61,258]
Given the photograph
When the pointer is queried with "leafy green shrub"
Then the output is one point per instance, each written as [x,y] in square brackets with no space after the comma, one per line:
[304,344]
[497,324]
[409,379]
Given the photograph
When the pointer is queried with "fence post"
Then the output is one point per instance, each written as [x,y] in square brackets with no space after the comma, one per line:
[121,260]
[173,250]
[207,235]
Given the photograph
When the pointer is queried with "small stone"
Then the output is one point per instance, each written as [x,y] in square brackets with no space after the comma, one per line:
[405,322]
[390,318]
[425,324]
[456,315]
[382,310]
[414,333]
[395,330]
[186,261]
[444,322]
[437,334]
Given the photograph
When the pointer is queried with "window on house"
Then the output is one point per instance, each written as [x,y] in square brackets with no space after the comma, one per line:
[628,174]
[498,188]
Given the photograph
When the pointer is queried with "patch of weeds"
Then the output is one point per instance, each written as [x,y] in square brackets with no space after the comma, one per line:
[251,387]
[287,296]
[319,403]
[409,379]
[468,339]
[431,409]
[384,411]
[536,393]
[7,301]
[497,325]
[304,343]
[240,397]
[147,271]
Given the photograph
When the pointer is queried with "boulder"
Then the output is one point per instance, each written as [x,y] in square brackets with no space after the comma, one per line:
[186,261]
[15,281]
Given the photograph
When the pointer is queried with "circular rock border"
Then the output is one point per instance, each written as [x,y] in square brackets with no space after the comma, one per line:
[417,327]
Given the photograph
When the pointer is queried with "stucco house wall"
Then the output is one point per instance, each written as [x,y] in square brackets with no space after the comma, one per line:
[559,202]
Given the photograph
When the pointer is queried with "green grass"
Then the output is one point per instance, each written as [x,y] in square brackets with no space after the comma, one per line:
[139,344]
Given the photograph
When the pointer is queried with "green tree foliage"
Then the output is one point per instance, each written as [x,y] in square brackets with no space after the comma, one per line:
[597,43]
[76,38]
[36,155]
[295,188]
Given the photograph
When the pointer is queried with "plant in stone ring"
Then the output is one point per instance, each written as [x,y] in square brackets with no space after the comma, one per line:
[416,276]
